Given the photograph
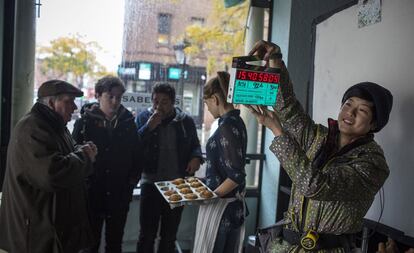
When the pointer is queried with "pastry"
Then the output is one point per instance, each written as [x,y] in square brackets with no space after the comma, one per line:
[178,181]
[170,192]
[181,186]
[195,184]
[175,197]
[192,179]
[200,189]
[206,194]
[190,196]
[186,191]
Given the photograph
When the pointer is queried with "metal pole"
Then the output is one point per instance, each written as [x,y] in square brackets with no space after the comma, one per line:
[24,55]
[254,32]
[182,77]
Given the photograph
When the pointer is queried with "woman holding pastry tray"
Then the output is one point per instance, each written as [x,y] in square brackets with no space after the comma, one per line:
[220,225]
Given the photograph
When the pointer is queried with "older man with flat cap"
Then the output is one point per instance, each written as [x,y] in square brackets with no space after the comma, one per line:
[44,197]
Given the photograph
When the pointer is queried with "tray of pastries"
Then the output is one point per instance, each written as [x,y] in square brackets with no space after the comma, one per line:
[185,191]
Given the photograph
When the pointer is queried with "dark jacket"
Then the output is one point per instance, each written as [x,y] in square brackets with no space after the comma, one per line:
[116,169]
[44,196]
[188,145]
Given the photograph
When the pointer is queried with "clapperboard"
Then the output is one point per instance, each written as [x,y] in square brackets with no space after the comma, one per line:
[251,83]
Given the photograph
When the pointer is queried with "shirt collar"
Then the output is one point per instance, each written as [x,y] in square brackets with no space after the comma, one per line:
[232,113]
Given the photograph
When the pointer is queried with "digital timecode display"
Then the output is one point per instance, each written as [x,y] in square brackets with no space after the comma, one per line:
[255,88]
[257,76]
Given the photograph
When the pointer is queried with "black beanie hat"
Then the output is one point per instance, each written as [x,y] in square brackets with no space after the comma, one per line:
[378,95]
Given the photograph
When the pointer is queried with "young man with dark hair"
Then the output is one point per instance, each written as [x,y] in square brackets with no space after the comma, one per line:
[105,84]
[111,127]
[171,150]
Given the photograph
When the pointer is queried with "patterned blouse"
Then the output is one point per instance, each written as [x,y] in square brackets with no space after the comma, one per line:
[332,188]
[226,155]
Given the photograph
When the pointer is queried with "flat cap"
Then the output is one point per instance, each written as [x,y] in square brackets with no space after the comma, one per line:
[57,87]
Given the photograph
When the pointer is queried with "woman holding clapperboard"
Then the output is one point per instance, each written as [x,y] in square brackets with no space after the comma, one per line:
[220,225]
[335,171]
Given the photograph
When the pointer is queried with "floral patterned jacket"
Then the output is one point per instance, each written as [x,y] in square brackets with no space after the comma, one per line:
[226,158]
[330,193]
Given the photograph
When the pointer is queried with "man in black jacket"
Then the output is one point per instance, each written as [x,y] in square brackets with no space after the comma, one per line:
[171,150]
[116,170]
[43,207]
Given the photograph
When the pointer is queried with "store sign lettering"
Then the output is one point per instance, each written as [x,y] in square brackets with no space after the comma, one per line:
[141,100]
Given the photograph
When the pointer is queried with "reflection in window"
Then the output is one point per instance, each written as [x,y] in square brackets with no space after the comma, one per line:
[144,72]
[174,73]
[197,21]
[164,28]
[163,39]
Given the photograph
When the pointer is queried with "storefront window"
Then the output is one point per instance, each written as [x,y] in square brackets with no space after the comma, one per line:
[147,34]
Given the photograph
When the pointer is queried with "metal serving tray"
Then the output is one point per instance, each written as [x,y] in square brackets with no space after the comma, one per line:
[164,186]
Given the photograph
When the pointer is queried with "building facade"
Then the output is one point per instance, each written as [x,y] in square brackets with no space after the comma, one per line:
[154,33]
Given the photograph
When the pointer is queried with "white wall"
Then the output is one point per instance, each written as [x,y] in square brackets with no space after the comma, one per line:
[381,53]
